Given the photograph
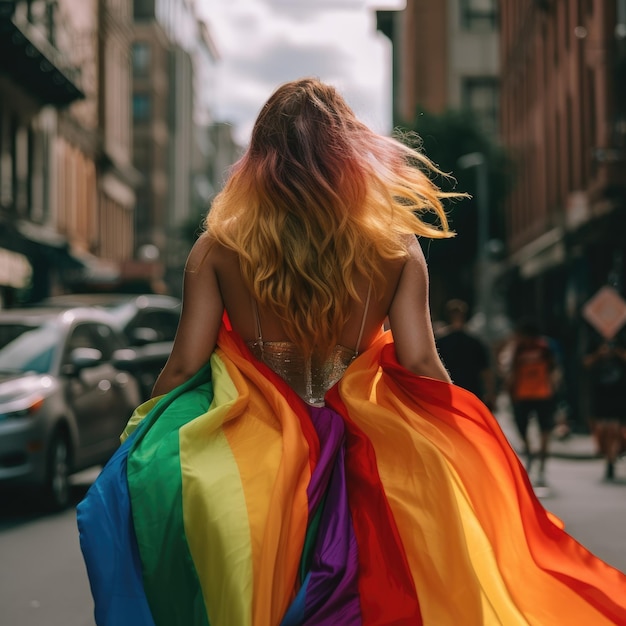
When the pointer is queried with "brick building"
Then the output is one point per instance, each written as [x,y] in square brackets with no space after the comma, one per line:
[564,122]
[66,179]
[445,56]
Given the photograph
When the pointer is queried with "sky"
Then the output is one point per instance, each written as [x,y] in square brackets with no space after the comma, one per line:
[263,43]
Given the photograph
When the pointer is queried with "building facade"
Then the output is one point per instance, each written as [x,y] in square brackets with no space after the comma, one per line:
[174,67]
[37,80]
[564,121]
[445,57]
[67,192]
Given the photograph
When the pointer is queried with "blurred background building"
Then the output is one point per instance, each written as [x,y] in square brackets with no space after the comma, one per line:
[563,91]
[173,61]
[445,56]
[446,88]
[108,148]
[39,81]
[547,80]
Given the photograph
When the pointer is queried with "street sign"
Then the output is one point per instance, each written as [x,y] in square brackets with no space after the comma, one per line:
[606,312]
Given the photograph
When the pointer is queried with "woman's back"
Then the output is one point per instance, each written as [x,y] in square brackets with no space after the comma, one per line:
[310,376]
[238,303]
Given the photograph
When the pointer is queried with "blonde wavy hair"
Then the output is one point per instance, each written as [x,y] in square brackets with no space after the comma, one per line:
[317,199]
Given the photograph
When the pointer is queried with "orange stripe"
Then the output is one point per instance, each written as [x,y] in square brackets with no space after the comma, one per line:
[550,577]
[275,479]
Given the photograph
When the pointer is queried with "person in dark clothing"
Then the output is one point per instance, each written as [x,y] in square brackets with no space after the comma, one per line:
[607,370]
[465,356]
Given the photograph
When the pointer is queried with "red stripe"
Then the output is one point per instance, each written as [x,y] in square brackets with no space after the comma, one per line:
[387,592]
[553,549]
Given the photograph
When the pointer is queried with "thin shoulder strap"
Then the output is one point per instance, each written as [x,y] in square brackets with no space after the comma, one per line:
[367,306]
[257,320]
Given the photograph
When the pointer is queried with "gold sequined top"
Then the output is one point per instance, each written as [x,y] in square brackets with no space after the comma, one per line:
[310,377]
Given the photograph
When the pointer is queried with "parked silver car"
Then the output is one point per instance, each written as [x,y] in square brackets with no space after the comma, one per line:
[149,322]
[143,318]
[63,402]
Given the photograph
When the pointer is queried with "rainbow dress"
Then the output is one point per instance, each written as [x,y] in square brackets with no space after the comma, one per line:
[231,502]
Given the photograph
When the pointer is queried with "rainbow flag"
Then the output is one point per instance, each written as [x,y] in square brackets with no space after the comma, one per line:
[233,503]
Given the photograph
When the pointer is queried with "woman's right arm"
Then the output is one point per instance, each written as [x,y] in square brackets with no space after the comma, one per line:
[200,319]
[410,321]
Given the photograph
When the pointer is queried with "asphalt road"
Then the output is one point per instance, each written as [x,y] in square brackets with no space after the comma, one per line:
[43,580]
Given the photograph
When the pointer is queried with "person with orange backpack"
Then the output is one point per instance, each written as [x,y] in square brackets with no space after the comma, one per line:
[532,388]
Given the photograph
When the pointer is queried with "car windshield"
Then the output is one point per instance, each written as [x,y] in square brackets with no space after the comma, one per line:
[28,348]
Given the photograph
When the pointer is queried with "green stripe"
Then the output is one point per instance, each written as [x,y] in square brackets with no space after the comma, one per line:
[310,541]
[215,510]
[155,484]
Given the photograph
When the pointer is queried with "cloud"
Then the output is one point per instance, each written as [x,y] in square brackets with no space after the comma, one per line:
[281,61]
[263,43]
[302,8]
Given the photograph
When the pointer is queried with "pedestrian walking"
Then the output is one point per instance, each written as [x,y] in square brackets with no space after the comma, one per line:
[606,365]
[466,357]
[531,385]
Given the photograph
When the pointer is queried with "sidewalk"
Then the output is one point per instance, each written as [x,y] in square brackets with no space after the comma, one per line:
[575,446]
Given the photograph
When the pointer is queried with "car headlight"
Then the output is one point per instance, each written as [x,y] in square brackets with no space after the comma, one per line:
[25,410]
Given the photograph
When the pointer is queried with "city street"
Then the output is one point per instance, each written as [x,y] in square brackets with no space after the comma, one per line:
[43,580]
[42,577]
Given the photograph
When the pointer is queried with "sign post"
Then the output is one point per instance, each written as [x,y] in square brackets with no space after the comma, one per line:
[606,312]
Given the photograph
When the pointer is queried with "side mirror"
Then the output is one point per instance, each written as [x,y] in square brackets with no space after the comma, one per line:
[81,358]
[142,335]
[125,359]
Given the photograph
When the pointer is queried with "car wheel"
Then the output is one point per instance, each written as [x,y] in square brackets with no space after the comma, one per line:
[57,488]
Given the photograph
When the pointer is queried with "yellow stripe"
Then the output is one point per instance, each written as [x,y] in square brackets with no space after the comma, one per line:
[214,508]
[273,459]
[138,414]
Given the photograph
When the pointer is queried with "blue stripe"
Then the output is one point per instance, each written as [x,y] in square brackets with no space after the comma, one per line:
[295,613]
[109,546]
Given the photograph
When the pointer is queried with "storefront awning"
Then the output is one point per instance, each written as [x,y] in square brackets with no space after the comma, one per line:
[15,270]
[32,61]
[38,239]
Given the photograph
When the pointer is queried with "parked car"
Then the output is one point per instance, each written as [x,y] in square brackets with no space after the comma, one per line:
[63,401]
[149,322]
[144,318]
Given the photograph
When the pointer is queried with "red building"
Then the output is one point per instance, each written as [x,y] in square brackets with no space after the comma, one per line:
[563,119]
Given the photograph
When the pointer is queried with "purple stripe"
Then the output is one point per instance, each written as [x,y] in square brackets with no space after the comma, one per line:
[333,591]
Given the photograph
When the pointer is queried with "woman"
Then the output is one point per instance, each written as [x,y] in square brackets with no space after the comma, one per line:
[296,464]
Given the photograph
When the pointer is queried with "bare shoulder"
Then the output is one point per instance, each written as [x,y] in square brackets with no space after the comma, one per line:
[415,262]
[207,253]
[415,251]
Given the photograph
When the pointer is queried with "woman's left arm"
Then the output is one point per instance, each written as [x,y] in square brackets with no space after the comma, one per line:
[200,319]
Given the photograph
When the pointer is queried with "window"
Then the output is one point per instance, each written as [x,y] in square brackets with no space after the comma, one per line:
[141,107]
[479,15]
[164,323]
[141,58]
[106,341]
[143,9]
[28,348]
[480,95]
[93,335]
